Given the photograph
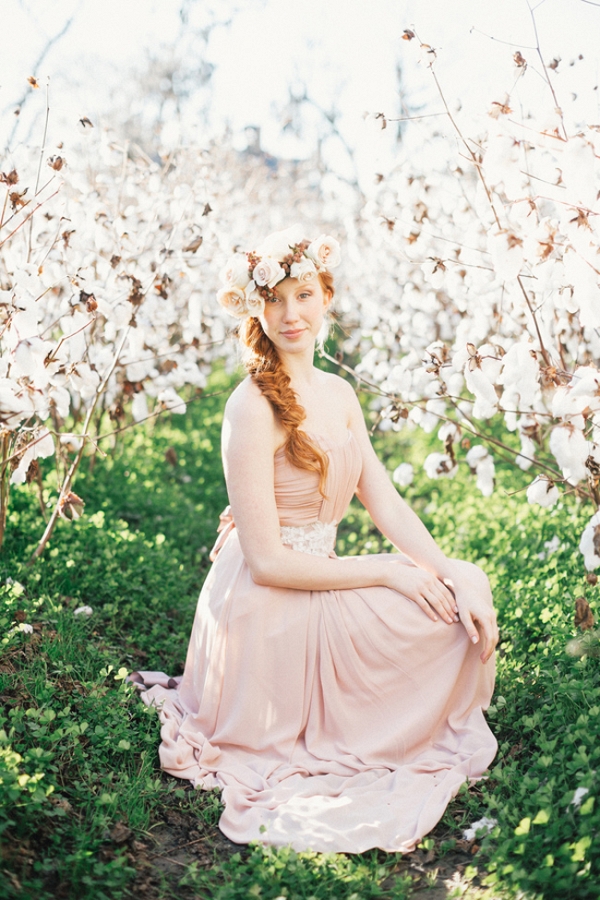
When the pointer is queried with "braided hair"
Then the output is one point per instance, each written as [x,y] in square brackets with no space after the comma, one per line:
[268,373]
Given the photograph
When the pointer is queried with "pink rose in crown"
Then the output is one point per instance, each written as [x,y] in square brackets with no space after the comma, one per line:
[325,252]
[269,272]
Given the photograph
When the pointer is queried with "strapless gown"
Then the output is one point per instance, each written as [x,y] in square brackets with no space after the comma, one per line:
[333,720]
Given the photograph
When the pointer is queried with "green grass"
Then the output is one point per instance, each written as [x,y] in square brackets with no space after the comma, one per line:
[84,809]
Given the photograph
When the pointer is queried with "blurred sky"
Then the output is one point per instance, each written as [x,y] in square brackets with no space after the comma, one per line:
[344,51]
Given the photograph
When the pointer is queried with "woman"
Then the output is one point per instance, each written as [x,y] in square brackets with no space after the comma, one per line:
[336,702]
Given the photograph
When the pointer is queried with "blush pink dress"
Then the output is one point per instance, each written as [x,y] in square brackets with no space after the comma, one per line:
[331,720]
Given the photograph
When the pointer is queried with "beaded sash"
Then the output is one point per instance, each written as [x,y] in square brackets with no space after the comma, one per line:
[317,538]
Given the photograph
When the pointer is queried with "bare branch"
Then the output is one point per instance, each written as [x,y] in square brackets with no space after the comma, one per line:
[53,40]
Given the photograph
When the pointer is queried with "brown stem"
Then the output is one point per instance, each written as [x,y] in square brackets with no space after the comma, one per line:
[39,172]
[553,473]
[27,217]
[546,75]
[66,485]
[544,352]
[4,485]
[40,487]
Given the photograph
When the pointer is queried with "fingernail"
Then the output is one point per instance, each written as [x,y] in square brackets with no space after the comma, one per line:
[474,638]
[456,618]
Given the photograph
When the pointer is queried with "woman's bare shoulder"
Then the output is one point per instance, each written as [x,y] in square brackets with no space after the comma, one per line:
[249,412]
[341,389]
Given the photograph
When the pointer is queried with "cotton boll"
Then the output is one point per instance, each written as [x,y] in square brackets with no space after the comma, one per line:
[481,463]
[475,455]
[542,491]
[566,403]
[520,375]
[570,449]
[139,407]
[485,476]
[578,175]
[506,251]
[41,446]
[590,543]
[172,401]
[403,475]
[439,464]
[448,430]
[584,281]
[486,399]
[527,455]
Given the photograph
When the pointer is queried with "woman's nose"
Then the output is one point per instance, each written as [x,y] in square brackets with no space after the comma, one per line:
[290,312]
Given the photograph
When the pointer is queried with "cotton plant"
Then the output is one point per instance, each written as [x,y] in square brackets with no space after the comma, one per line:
[109,265]
[486,249]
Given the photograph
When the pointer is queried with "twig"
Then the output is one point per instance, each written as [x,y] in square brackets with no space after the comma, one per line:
[472,430]
[543,350]
[4,485]
[154,415]
[36,66]
[66,486]
[546,76]
[27,217]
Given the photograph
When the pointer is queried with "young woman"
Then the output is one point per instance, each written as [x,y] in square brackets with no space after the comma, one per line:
[338,703]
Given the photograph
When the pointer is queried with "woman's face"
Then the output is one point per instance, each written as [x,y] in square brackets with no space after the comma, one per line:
[293,321]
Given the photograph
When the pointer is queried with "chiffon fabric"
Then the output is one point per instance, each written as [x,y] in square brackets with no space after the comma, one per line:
[335,720]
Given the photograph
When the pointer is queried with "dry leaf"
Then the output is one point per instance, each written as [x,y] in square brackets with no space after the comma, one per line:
[194,245]
[120,833]
[584,618]
[520,60]
[408,35]
[16,199]
[33,82]
[11,178]
[499,109]
[171,456]
[85,121]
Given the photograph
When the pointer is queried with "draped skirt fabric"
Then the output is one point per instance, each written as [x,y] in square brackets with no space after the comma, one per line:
[331,720]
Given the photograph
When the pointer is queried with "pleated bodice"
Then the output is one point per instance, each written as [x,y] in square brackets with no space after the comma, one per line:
[299,501]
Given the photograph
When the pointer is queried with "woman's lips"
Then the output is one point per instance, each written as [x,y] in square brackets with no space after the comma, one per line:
[293,333]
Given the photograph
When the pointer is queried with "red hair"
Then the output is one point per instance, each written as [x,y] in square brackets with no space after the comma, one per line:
[268,373]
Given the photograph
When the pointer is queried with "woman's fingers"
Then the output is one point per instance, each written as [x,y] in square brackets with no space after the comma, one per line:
[490,630]
[426,607]
[441,599]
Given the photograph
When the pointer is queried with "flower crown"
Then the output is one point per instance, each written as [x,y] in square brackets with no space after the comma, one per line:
[249,278]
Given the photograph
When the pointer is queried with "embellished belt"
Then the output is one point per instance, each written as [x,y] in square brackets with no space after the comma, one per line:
[317,538]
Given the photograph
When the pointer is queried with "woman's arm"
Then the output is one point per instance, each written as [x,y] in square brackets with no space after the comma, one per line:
[251,435]
[397,521]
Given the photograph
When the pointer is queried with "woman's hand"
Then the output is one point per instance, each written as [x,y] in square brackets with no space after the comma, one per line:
[475,607]
[424,589]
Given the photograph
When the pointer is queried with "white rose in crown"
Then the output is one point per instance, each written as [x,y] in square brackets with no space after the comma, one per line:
[235,273]
[254,302]
[325,252]
[233,301]
[268,272]
[277,245]
[305,270]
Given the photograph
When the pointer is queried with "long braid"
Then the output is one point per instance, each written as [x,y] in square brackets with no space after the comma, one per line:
[268,373]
